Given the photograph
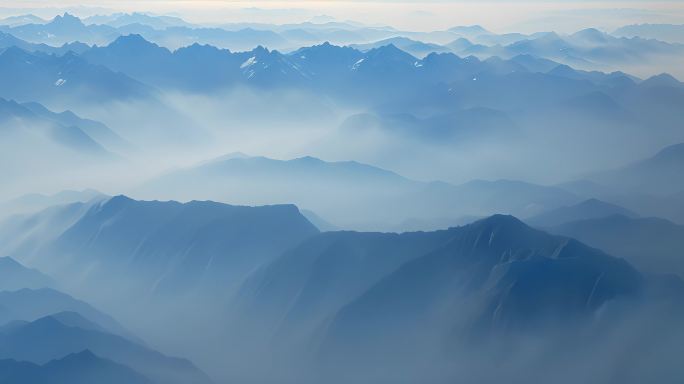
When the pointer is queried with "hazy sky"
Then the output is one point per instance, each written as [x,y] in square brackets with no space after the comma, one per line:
[497,15]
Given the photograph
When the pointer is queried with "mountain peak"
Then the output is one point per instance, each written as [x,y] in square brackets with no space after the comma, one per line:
[671,153]
[470,29]
[67,19]
[501,219]
[308,159]
[390,52]
[260,50]
[590,34]
[117,200]
[500,223]
[662,80]
[132,40]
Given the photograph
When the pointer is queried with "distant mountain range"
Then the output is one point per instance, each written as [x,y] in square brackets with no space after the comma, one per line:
[652,244]
[673,33]
[656,175]
[340,191]
[63,29]
[31,304]
[7,41]
[141,59]
[57,142]
[14,276]
[40,77]
[30,120]
[77,368]
[35,202]
[586,210]
[649,187]
[581,47]
[441,98]
[95,129]
[49,338]
[301,268]
[41,329]
[121,19]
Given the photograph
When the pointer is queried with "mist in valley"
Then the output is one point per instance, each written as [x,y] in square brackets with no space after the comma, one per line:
[327,200]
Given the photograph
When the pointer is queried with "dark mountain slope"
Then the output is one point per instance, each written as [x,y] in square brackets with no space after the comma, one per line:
[77,368]
[494,276]
[57,80]
[47,339]
[29,305]
[309,283]
[169,247]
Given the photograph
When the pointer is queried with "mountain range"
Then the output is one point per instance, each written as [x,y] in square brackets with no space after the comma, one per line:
[490,280]
[311,295]
[14,276]
[77,368]
[652,244]
[31,304]
[656,175]
[30,77]
[95,242]
[673,33]
[353,187]
[586,210]
[429,207]
[649,187]
[48,338]
[46,332]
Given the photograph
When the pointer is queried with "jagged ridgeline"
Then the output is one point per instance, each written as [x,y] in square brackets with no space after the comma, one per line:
[280,194]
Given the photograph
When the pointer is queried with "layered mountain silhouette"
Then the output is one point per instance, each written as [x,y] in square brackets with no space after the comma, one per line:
[309,283]
[22,235]
[7,40]
[373,299]
[95,129]
[673,33]
[77,368]
[35,76]
[48,338]
[14,276]
[256,269]
[523,275]
[31,304]
[61,143]
[354,187]
[63,29]
[652,244]
[170,247]
[329,65]
[589,47]
[649,187]
[122,19]
[23,122]
[35,202]
[586,210]
[656,175]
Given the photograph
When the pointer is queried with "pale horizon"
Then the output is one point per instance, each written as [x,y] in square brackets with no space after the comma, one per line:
[497,16]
